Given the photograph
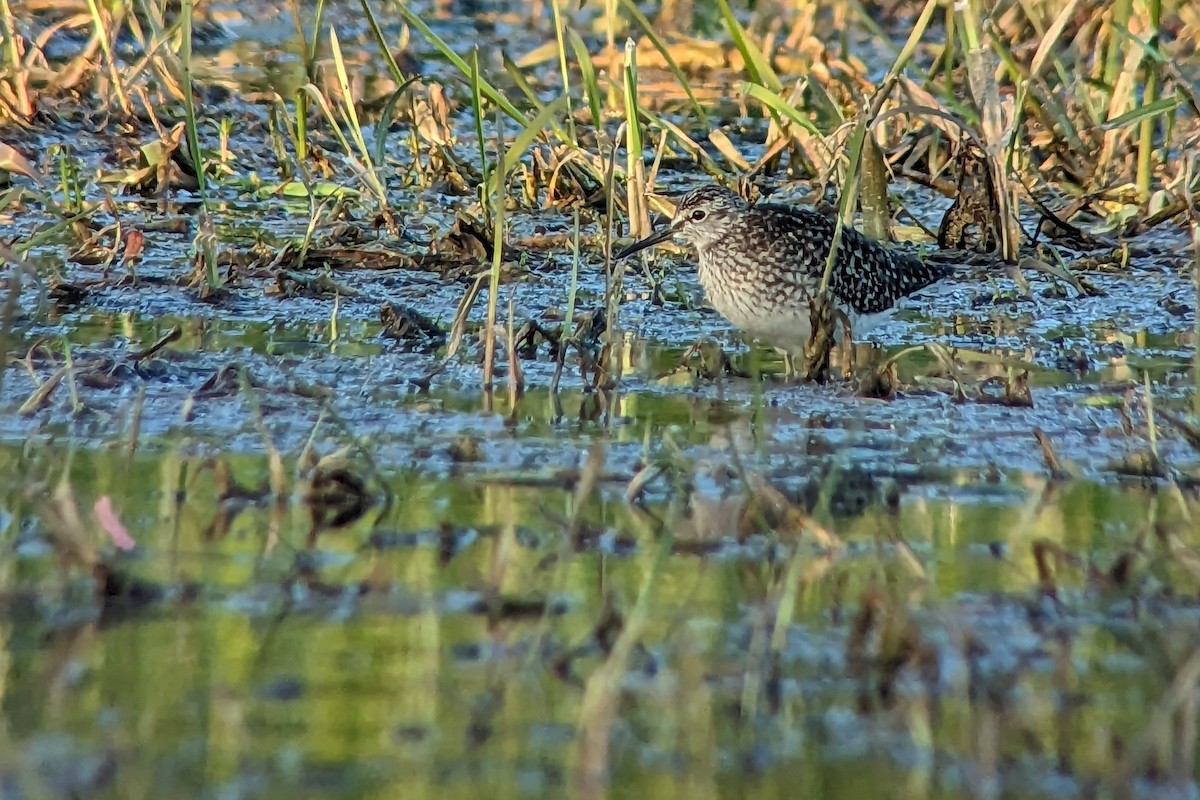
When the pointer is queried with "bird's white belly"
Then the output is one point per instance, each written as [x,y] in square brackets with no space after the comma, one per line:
[788,330]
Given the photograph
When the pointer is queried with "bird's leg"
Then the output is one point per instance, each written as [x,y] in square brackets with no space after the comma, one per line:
[789,365]
[847,349]
[820,341]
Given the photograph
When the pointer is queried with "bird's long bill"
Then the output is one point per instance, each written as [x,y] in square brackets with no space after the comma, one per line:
[649,241]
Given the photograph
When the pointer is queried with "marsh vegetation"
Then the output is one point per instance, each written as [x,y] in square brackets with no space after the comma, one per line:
[339,458]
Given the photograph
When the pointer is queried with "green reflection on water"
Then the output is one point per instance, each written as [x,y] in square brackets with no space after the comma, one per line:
[276,337]
[262,682]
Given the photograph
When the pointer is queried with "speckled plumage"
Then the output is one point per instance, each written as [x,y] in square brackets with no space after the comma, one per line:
[761,264]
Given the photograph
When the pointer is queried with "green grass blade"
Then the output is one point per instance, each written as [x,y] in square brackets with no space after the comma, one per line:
[1165,105]
[588,70]
[688,143]
[757,64]
[776,103]
[497,201]
[525,138]
[351,116]
[519,80]
[386,114]
[663,50]
[440,45]
[477,109]
[559,28]
[381,43]
[635,184]
[189,107]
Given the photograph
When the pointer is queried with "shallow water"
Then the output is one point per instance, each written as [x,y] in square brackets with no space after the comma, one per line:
[373,658]
[988,629]
[445,641]
[369,662]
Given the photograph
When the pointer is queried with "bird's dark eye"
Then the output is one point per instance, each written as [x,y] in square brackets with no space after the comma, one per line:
[699,214]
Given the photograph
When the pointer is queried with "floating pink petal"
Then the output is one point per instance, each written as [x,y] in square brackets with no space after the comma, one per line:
[108,520]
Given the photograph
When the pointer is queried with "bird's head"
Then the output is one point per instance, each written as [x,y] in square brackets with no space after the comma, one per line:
[702,218]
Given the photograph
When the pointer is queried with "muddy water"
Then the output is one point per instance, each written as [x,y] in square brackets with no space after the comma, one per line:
[441,643]
[369,664]
[374,659]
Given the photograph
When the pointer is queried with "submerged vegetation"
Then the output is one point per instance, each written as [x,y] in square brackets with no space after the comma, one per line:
[338,455]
